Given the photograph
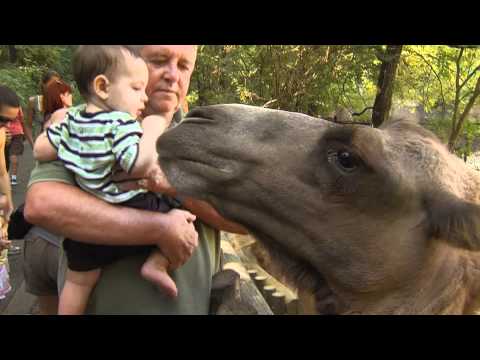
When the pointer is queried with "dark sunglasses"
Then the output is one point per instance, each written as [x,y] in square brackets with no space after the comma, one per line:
[4,120]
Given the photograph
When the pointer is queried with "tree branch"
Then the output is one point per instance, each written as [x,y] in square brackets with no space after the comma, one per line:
[470,76]
[470,104]
[361,112]
[457,90]
[434,71]
[458,127]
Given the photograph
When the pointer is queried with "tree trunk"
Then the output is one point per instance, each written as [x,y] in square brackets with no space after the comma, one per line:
[386,78]
[12,54]
[459,124]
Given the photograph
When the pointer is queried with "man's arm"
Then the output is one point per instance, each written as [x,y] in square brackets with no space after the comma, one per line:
[67,210]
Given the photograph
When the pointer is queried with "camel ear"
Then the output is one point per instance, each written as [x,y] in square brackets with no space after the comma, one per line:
[454,220]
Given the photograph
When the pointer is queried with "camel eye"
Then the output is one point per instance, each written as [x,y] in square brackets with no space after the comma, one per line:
[345,160]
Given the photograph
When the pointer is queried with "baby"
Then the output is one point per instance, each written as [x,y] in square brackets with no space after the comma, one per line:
[98,140]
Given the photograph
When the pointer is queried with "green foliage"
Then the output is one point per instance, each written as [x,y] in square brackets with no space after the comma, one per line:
[316,79]
[310,79]
[21,80]
[33,61]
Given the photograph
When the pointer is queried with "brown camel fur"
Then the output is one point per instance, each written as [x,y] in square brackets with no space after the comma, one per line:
[380,221]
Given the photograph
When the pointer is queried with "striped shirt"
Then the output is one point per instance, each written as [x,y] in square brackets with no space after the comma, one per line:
[96,146]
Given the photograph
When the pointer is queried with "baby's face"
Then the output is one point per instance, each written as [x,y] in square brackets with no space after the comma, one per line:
[127,92]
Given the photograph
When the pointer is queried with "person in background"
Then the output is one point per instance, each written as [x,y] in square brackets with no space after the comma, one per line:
[42,247]
[9,109]
[35,111]
[58,96]
[15,148]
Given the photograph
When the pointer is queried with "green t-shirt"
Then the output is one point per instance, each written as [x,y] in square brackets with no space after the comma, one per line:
[122,290]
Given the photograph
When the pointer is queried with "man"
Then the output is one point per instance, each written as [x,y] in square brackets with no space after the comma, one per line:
[121,289]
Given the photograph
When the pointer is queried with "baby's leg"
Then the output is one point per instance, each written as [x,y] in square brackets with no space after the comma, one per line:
[76,291]
[155,270]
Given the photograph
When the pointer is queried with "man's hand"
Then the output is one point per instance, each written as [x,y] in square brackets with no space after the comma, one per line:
[180,239]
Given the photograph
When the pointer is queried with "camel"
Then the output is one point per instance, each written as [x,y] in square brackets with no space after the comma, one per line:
[378,220]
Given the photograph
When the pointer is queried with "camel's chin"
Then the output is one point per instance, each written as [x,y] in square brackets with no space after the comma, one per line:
[301,275]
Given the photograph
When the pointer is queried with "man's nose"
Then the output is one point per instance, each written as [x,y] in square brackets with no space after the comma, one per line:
[171,72]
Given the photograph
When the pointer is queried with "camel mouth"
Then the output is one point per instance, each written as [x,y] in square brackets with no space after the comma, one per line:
[197,163]
[302,274]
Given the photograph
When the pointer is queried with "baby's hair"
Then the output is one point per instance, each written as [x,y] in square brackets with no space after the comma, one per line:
[89,61]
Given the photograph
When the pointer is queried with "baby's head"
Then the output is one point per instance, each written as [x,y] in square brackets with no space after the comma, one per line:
[112,77]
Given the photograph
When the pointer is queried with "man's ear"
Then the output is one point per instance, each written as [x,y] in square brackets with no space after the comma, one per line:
[101,86]
[453,220]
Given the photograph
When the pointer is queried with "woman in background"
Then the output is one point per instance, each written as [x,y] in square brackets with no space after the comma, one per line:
[41,255]
[36,113]
[58,96]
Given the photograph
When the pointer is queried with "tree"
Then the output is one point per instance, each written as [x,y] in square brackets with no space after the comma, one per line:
[30,62]
[458,117]
[12,51]
[386,78]
[442,80]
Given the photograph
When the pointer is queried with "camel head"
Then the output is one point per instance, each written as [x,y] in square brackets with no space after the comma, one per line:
[375,215]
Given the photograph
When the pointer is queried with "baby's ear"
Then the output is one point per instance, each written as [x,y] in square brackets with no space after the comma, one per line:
[101,86]
[453,220]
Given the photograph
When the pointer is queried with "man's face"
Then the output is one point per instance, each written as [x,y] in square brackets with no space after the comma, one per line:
[170,68]
[8,113]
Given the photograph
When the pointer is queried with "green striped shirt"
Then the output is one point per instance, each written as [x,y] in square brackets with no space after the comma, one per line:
[96,146]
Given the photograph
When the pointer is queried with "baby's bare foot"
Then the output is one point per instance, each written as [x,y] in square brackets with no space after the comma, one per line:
[159,277]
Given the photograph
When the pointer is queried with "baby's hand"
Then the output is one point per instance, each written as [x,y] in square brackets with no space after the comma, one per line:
[156,181]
